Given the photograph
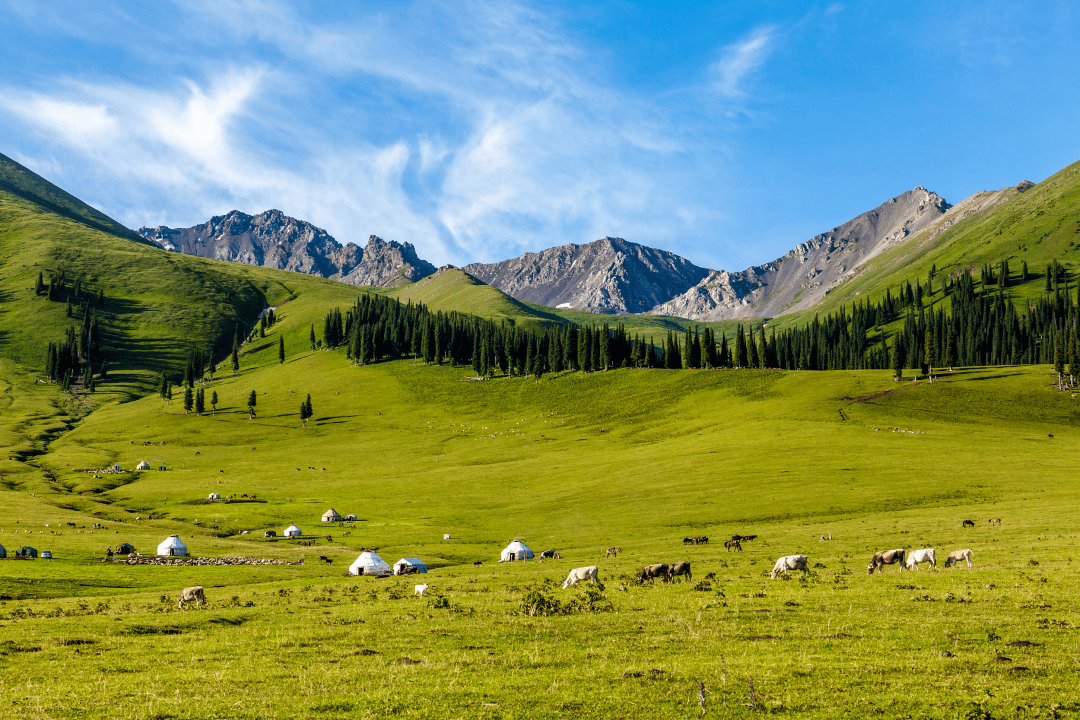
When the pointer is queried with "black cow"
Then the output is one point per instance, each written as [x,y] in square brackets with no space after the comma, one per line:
[968,523]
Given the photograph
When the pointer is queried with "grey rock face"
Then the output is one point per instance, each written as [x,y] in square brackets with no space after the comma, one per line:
[805,275]
[607,275]
[273,239]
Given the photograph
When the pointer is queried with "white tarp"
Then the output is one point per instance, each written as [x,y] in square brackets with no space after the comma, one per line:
[400,565]
[516,550]
[369,563]
[292,531]
[172,546]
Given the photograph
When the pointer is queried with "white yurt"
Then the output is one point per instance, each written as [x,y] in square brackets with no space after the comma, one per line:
[172,546]
[213,496]
[292,531]
[369,563]
[3,552]
[400,567]
[331,515]
[143,466]
[350,516]
[516,550]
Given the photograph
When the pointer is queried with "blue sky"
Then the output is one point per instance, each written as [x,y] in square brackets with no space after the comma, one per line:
[727,132]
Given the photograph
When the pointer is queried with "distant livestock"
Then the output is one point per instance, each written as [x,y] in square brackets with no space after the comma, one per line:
[550,555]
[994,521]
[419,590]
[956,556]
[613,552]
[789,562]
[968,523]
[660,570]
[590,573]
[925,555]
[886,557]
[680,568]
[733,545]
[192,594]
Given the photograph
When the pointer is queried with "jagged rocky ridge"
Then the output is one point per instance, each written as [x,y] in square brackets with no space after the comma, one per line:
[273,239]
[607,275]
[803,277]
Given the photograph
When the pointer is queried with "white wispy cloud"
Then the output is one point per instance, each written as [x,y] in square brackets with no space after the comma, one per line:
[475,132]
[739,60]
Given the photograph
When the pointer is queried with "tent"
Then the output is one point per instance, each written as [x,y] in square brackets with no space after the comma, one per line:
[172,546]
[516,550]
[402,565]
[213,496]
[331,516]
[26,552]
[143,466]
[369,563]
[350,516]
[3,552]
[292,531]
[125,549]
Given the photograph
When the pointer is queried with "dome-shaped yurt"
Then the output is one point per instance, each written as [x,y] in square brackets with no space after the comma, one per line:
[213,496]
[409,566]
[351,517]
[331,515]
[369,563]
[143,466]
[292,531]
[172,546]
[516,550]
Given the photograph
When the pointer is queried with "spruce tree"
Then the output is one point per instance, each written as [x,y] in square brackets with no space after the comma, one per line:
[188,400]
[39,286]
[163,386]
[213,403]
[168,392]
[234,358]
[281,349]
[200,401]
[310,410]
[1059,357]
[928,355]
[897,359]
[69,308]
[251,403]
[312,338]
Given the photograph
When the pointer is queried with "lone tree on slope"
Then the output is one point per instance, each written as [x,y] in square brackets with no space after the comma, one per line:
[252,400]
[281,349]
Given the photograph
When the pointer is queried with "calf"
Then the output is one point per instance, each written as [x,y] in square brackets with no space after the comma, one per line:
[921,556]
[968,523]
[325,559]
[420,590]
[660,570]
[994,521]
[192,594]
[590,573]
[789,562]
[886,557]
[680,568]
[956,556]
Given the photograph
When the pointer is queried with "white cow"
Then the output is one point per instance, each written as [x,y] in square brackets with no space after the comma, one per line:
[925,555]
[956,556]
[192,594]
[582,573]
[420,590]
[789,562]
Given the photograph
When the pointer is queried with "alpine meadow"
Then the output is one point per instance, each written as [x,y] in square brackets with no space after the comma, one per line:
[250,471]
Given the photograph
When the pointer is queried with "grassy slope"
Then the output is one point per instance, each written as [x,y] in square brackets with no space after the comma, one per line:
[1038,225]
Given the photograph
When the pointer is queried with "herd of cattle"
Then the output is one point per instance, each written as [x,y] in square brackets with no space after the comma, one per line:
[667,572]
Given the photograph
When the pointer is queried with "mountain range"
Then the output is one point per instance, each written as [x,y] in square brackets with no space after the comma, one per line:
[610,275]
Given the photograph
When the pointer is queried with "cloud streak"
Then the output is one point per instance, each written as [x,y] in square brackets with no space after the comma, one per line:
[739,60]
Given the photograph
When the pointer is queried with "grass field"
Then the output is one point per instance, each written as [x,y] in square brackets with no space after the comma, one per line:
[634,459]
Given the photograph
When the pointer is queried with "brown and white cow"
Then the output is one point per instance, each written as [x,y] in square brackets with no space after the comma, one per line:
[192,594]
[886,557]
[956,556]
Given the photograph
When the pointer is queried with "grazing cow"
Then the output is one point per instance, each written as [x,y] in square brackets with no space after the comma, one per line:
[590,573]
[192,594]
[325,559]
[551,555]
[886,557]
[701,540]
[660,570]
[968,523]
[956,556]
[680,568]
[789,562]
[925,555]
[420,590]
[994,521]
[613,552]
[733,545]
[688,541]
[750,538]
